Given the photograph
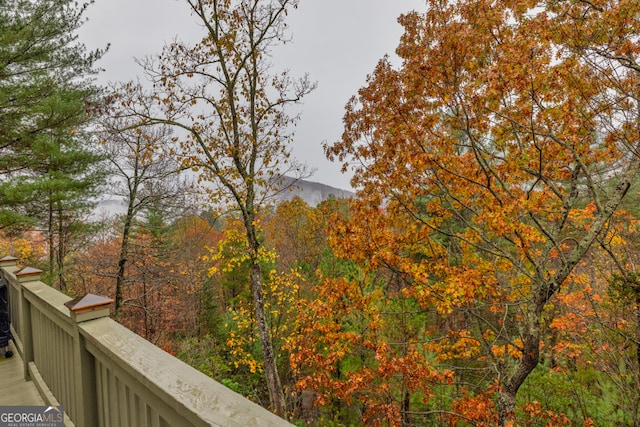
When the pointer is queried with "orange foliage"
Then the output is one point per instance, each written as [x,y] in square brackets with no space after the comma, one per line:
[163,278]
[479,408]
[343,352]
[535,412]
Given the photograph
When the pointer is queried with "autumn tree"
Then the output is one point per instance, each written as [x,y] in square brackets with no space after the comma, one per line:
[92,269]
[229,263]
[144,177]
[615,331]
[231,110]
[189,238]
[496,154]
[363,354]
[162,296]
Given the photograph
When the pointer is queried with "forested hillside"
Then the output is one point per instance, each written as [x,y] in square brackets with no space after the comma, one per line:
[483,273]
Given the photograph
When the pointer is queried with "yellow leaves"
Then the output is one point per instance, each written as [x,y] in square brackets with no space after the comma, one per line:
[456,345]
[232,250]
[282,304]
[513,350]
[241,340]
[26,249]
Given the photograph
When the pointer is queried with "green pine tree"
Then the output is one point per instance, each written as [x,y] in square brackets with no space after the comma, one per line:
[48,172]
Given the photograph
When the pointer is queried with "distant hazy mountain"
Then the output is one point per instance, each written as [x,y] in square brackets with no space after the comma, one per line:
[313,192]
[107,208]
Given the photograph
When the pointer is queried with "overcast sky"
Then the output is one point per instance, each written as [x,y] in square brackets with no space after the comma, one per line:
[338,42]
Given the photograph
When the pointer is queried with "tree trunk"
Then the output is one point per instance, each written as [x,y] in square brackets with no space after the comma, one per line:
[144,308]
[406,408]
[529,359]
[124,253]
[509,390]
[61,251]
[637,291]
[506,406]
[51,240]
[270,366]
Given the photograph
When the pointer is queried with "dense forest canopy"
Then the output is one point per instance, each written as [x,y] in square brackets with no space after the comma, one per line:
[483,274]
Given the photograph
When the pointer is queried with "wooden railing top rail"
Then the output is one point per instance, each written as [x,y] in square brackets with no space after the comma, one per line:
[177,384]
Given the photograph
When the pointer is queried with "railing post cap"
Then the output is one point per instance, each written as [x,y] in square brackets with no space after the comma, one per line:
[8,261]
[88,307]
[28,274]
